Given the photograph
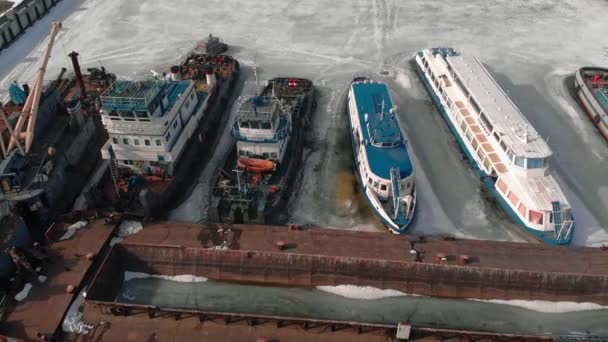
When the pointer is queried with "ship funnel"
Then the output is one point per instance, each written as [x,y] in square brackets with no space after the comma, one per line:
[175,73]
[210,77]
[74,57]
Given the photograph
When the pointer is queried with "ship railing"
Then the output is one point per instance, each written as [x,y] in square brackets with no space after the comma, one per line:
[564,231]
[261,137]
[134,96]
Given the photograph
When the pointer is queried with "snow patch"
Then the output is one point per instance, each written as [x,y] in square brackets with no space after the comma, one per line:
[115,240]
[182,278]
[42,279]
[361,292]
[127,228]
[546,306]
[73,322]
[72,230]
[403,80]
[23,293]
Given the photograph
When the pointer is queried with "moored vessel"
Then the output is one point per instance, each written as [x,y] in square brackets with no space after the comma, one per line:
[385,170]
[591,85]
[252,187]
[160,130]
[502,146]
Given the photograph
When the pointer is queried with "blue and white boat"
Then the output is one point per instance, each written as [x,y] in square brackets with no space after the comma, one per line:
[502,146]
[385,170]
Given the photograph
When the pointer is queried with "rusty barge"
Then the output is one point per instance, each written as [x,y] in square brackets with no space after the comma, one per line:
[294,257]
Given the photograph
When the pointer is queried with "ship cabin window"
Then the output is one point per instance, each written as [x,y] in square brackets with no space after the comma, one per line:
[254,124]
[175,124]
[168,136]
[249,153]
[147,142]
[503,146]
[375,184]
[136,142]
[241,153]
[496,137]
[158,142]
[115,140]
[536,216]
[187,104]
[382,187]
[142,116]
[475,105]
[125,141]
[520,161]
[535,163]
[369,180]
[273,155]
[265,155]
[192,96]
[244,124]
[510,155]
[425,62]
[265,125]
[486,122]
[449,103]
[113,113]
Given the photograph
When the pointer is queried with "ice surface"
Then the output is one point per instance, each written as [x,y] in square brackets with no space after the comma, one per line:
[361,292]
[548,307]
[182,278]
[73,321]
[24,292]
[72,230]
[531,47]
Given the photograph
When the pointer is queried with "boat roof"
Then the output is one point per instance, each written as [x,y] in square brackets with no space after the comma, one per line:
[373,99]
[515,130]
[125,95]
[258,108]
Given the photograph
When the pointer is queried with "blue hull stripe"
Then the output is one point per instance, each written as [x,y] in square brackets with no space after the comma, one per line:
[487,180]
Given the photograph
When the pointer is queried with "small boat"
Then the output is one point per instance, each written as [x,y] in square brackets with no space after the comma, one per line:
[502,146]
[256,165]
[380,150]
[591,85]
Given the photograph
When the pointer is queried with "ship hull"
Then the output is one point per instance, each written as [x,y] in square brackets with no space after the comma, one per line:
[197,152]
[589,102]
[487,180]
[371,199]
[267,210]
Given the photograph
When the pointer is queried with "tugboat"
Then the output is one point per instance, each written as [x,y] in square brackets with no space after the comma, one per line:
[269,129]
[160,129]
[502,146]
[591,85]
[381,157]
[213,46]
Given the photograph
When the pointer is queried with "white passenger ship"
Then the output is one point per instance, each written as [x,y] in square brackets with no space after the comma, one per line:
[383,163]
[501,144]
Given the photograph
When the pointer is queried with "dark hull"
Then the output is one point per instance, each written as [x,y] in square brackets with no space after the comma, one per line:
[267,209]
[197,152]
[594,110]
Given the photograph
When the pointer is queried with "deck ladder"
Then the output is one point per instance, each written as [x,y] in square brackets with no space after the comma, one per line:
[562,228]
[398,205]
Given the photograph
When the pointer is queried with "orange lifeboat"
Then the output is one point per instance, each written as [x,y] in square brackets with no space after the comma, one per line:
[255,164]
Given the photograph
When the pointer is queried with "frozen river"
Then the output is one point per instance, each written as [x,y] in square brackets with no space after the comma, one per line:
[531,47]
[376,308]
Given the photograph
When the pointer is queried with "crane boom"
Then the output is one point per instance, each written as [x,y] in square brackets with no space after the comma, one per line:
[30,108]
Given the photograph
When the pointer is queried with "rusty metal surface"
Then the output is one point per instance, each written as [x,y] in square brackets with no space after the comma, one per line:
[43,309]
[479,253]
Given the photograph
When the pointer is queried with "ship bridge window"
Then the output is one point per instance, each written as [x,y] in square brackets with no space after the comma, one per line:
[141,115]
[115,140]
[535,163]
[503,146]
[244,124]
[158,142]
[520,161]
[113,113]
[383,187]
[475,105]
[536,217]
[273,155]
[496,137]
[147,142]
[254,124]
[125,141]
[127,114]
[265,125]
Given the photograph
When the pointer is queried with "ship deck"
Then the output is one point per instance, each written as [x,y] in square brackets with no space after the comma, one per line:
[43,309]
[340,243]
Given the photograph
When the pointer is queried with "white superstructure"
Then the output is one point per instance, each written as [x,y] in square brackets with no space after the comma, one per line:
[500,141]
[149,123]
